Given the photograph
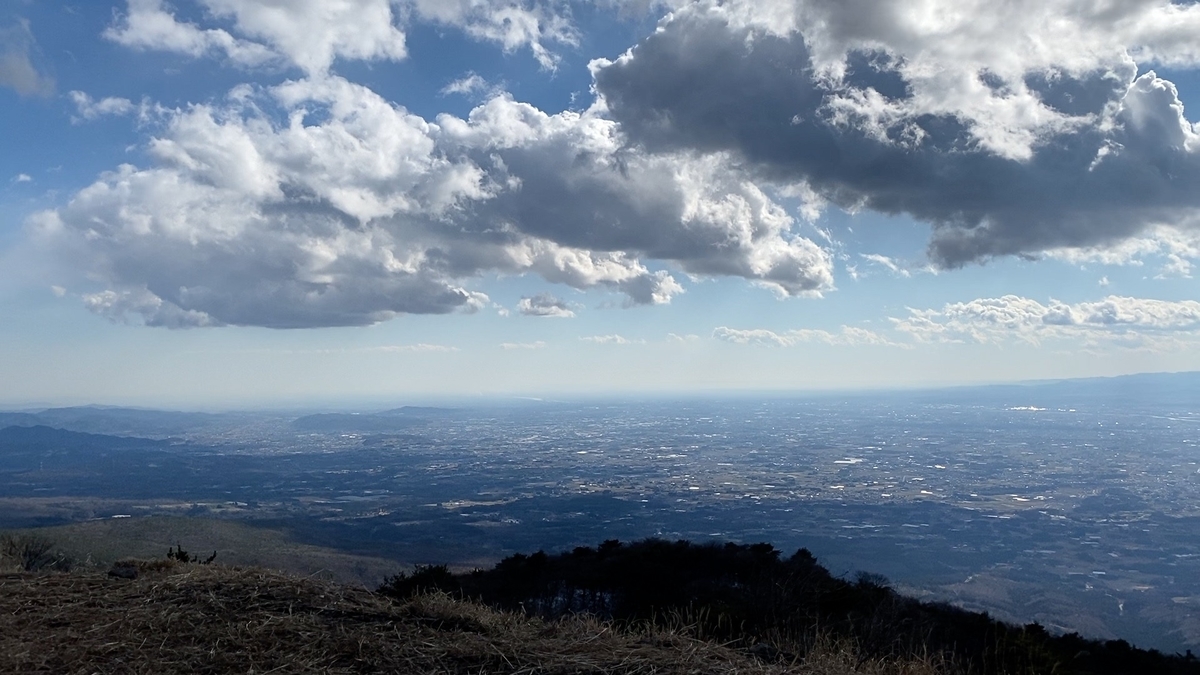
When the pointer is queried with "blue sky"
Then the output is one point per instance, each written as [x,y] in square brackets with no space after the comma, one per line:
[217,203]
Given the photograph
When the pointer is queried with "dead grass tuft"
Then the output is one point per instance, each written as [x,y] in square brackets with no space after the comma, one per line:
[213,619]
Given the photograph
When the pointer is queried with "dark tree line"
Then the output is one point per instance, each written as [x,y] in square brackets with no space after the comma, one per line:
[749,594]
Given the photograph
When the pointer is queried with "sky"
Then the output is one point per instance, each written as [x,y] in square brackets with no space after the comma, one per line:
[222,203]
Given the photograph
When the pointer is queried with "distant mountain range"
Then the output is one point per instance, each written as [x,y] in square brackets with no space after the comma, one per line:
[1152,391]
[118,421]
[397,419]
[1143,390]
[41,447]
[112,420]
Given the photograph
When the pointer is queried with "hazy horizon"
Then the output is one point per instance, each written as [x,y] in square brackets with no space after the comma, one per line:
[511,399]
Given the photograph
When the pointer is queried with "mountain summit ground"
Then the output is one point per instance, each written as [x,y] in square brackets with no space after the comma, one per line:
[177,617]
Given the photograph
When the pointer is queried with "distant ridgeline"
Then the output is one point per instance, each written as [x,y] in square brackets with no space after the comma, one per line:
[750,594]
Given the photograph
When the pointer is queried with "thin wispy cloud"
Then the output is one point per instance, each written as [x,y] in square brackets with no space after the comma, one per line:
[17,69]
[887,263]
[846,336]
[509,346]
[419,347]
[610,340]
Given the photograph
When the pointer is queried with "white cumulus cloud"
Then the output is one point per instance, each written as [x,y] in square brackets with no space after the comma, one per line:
[545,305]
[351,210]
[513,24]
[151,25]
[1016,318]
[88,108]
[313,34]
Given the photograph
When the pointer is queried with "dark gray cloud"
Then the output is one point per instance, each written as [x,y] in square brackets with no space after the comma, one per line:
[1125,159]
[580,189]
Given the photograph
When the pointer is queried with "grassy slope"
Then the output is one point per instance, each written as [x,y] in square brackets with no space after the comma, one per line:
[236,543]
[216,619]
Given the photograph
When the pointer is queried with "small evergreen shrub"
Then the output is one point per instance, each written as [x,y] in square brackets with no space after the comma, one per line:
[424,579]
[177,554]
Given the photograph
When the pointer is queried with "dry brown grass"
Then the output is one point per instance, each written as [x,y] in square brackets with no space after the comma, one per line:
[213,619]
[237,543]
